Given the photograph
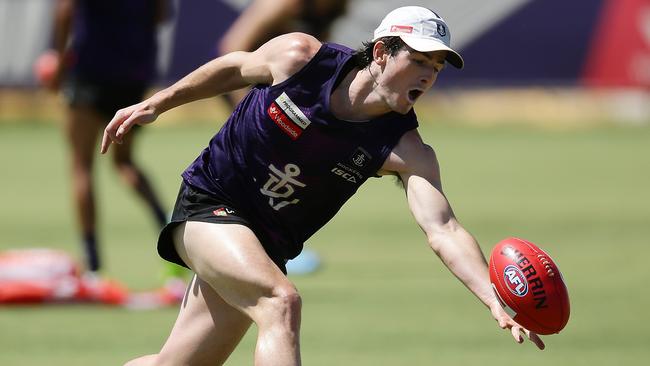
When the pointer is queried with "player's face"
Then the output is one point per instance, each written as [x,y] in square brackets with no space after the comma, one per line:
[409,74]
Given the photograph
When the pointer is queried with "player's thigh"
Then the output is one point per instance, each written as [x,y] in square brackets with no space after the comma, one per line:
[82,129]
[206,331]
[233,261]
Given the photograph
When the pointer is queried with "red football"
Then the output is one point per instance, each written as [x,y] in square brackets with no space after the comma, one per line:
[529,286]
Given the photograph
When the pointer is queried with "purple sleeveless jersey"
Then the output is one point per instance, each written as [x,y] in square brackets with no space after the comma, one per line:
[286,162]
[114,41]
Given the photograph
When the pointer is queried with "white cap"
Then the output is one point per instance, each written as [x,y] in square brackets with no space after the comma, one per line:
[421,29]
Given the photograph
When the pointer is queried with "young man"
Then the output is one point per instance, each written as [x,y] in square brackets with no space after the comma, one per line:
[319,121]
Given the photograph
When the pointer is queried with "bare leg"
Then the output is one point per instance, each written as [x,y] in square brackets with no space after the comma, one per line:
[206,332]
[133,175]
[82,128]
[231,259]
[245,285]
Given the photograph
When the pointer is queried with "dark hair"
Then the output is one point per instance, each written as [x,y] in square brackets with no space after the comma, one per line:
[363,55]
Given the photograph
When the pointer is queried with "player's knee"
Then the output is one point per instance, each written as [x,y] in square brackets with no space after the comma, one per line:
[286,300]
[128,171]
[122,162]
[83,180]
[282,308]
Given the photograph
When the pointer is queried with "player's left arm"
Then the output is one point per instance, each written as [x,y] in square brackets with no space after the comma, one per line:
[415,163]
[62,14]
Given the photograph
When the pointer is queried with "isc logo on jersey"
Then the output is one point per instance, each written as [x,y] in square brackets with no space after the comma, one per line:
[286,114]
[350,169]
[343,174]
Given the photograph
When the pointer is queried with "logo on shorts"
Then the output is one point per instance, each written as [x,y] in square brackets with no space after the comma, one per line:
[223,211]
[286,114]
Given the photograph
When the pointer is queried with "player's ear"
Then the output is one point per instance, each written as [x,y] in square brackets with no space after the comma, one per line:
[380,53]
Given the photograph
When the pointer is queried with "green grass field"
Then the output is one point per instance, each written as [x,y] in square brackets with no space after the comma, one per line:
[382,297]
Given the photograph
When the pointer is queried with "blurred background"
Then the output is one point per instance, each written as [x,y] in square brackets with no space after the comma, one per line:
[540,55]
[545,135]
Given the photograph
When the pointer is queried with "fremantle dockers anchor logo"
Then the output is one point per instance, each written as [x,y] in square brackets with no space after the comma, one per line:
[360,157]
[442,31]
[280,186]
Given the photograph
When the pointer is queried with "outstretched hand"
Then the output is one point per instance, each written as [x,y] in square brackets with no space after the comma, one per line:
[506,322]
[138,114]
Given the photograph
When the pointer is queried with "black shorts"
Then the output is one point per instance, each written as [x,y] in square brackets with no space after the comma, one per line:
[104,98]
[193,204]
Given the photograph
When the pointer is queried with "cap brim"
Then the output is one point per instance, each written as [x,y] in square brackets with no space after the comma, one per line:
[429,45]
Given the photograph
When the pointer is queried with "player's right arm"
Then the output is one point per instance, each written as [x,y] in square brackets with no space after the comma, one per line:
[272,63]
[417,166]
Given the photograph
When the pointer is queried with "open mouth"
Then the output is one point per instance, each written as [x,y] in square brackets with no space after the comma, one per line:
[414,94]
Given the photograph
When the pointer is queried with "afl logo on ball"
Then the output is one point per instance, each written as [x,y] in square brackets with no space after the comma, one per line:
[515,280]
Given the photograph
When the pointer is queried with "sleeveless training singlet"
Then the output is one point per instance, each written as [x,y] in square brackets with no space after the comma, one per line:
[286,162]
[114,42]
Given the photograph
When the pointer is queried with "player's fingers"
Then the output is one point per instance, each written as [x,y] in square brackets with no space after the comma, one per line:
[516,334]
[111,130]
[506,322]
[125,126]
[106,142]
[109,136]
[535,339]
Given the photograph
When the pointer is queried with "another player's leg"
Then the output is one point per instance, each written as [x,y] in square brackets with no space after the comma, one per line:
[134,176]
[232,260]
[174,275]
[82,128]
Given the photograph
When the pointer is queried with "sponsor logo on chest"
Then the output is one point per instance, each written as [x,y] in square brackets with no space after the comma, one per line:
[286,115]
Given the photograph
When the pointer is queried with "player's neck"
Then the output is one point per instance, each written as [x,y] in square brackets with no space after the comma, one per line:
[354,99]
